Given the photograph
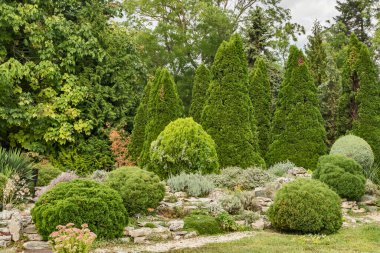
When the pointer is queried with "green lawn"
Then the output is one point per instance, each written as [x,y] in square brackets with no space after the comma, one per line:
[364,238]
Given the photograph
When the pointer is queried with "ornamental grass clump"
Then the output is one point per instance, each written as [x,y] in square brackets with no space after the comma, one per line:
[69,239]
[306,206]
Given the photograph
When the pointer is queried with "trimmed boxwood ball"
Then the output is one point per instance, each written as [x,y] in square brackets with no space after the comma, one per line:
[342,174]
[306,206]
[356,148]
[139,189]
[81,201]
[183,146]
[203,224]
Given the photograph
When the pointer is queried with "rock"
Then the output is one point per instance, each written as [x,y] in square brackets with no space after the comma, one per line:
[125,239]
[160,230]
[368,200]
[6,215]
[348,204]
[31,229]
[217,194]
[127,230]
[240,222]
[258,225]
[190,235]
[177,237]
[180,195]
[296,171]
[3,224]
[34,237]
[139,240]
[4,244]
[181,233]
[260,192]
[140,232]
[4,230]
[188,209]
[15,226]
[176,225]
[35,245]
[359,210]
[5,238]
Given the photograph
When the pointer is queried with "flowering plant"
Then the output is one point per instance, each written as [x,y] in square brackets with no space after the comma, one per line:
[16,191]
[69,239]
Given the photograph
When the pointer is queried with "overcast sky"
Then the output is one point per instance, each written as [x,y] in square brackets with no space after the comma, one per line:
[305,12]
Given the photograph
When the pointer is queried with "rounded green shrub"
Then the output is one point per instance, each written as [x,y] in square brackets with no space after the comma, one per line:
[342,174]
[356,148]
[202,223]
[46,173]
[139,189]
[79,202]
[183,146]
[306,206]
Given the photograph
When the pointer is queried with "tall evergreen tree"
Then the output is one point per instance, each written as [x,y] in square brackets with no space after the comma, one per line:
[359,105]
[356,17]
[164,106]
[301,135]
[228,114]
[260,93]
[139,124]
[202,81]
[329,94]
[316,55]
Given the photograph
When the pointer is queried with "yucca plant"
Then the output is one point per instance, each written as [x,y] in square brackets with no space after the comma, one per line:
[14,162]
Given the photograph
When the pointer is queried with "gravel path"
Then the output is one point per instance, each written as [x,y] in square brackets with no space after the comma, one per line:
[181,244]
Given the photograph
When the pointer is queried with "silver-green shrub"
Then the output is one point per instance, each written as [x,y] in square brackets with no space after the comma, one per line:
[281,168]
[356,148]
[244,179]
[195,185]
[232,204]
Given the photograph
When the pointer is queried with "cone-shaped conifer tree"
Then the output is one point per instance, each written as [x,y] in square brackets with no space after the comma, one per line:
[228,113]
[139,124]
[359,105]
[202,80]
[301,136]
[164,106]
[260,93]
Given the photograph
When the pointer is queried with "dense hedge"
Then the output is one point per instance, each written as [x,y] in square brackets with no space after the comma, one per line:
[342,174]
[356,148]
[79,202]
[183,146]
[139,189]
[306,206]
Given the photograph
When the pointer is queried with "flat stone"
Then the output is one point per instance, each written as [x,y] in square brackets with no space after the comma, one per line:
[125,239]
[180,195]
[3,224]
[160,230]
[240,222]
[181,233]
[5,238]
[260,192]
[15,226]
[191,235]
[127,230]
[35,245]
[31,229]
[139,240]
[4,244]
[348,204]
[34,237]
[297,171]
[258,225]
[360,210]
[140,232]
[6,215]
[177,237]
[4,230]
[175,225]
[368,200]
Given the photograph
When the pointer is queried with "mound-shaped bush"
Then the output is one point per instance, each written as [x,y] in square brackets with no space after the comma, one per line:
[139,189]
[202,223]
[342,174]
[356,148]
[46,173]
[183,146]
[306,206]
[80,202]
